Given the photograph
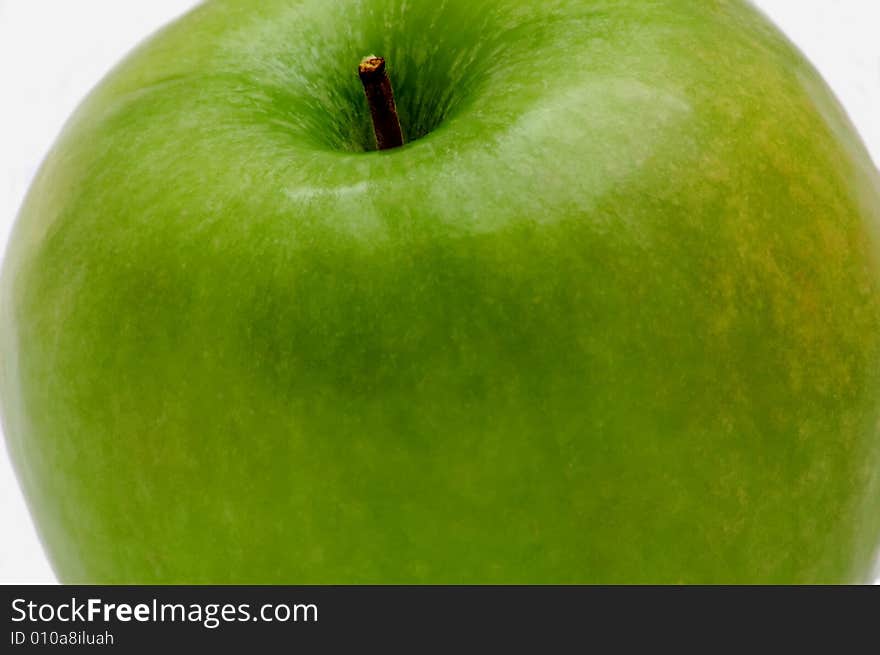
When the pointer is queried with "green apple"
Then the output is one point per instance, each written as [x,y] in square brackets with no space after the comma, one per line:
[610,315]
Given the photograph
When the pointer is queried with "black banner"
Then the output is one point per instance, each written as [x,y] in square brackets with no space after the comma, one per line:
[416,619]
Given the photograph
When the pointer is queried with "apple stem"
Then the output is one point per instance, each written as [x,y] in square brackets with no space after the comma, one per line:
[380,98]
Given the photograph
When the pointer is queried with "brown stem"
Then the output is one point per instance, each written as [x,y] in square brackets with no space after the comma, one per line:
[380,97]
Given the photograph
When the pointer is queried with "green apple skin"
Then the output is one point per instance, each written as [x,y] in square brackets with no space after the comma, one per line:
[611,316]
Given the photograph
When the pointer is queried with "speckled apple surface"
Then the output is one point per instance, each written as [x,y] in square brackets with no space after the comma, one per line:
[611,315]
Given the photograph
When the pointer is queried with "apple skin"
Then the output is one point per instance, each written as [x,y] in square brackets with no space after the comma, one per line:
[613,318]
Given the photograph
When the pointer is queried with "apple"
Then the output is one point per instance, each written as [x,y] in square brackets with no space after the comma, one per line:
[610,315]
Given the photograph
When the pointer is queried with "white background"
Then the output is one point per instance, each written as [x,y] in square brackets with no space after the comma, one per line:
[53,51]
